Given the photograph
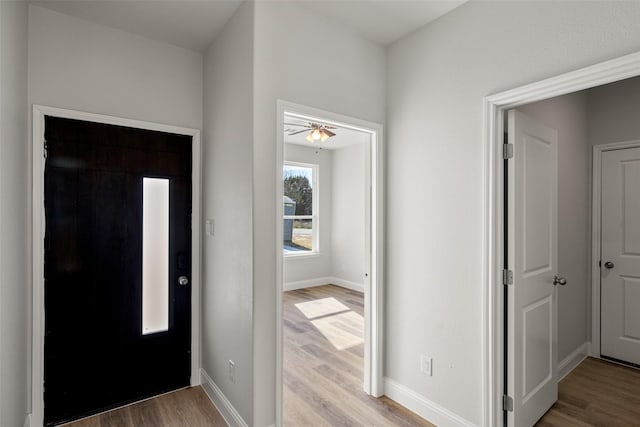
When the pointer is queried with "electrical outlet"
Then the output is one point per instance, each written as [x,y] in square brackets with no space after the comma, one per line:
[425,365]
[232,371]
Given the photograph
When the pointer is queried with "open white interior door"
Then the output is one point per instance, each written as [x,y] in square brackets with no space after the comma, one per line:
[532,257]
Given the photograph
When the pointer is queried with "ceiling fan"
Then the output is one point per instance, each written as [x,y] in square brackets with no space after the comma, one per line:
[317,131]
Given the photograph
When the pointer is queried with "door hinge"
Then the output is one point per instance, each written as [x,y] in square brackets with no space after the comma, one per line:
[507,151]
[507,403]
[507,277]
[45,148]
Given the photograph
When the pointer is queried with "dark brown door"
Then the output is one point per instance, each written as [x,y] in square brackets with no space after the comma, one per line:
[117,248]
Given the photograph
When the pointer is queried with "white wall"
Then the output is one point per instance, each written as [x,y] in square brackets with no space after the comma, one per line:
[300,268]
[14,225]
[352,84]
[342,189]
[568,115]
[80,65]
[227,259]
[613,112]
[437,79]
[348,230]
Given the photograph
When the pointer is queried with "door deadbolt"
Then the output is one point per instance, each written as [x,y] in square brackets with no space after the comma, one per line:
[183,280]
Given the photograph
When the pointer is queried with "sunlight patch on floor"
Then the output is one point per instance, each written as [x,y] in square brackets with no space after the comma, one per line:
[343,330]
[321,307]
[341,326]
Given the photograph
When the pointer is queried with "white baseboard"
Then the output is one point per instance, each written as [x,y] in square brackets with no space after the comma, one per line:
[359,287]
[570,362]
[422,406]
[310,283]
[224,406]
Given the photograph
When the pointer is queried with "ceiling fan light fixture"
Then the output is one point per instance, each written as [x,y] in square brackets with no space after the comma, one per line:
[315,135]
[315,132]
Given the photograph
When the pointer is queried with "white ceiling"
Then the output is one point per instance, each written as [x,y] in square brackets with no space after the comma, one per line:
[344,137]
[193,24]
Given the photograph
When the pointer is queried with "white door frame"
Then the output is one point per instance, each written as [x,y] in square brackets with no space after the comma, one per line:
[373,349]
[38,227]
[492,254]
[598,150]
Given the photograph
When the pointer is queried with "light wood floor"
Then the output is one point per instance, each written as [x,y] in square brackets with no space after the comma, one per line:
[596,393]
[189,407]
[322,384]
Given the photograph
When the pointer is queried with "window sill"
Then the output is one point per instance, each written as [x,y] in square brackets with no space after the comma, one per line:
[301,255]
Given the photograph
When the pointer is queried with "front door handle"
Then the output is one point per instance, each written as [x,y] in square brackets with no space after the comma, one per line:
[559,280]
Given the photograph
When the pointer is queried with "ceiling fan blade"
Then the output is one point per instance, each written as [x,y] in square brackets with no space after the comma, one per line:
[330,127]
[296,124]
[297,132]
[328,132]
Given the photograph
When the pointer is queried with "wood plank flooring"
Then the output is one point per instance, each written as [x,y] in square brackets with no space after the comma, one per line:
[596,393]
[323,384]
[188,407]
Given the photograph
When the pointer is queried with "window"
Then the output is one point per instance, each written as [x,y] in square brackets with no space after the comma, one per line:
[155,255]
[300,209]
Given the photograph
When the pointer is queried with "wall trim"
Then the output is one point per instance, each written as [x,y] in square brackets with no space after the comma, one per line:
[329,280]
[220,401]
[569,363]
[422,406]
[347,284]
[27,421]
[493,293]
[38,228]
[309,283]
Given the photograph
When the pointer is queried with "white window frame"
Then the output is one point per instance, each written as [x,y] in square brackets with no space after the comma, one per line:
[315,210]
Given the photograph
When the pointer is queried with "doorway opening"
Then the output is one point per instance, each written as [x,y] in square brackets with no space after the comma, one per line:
[500,407]
[115,262]
[329,253]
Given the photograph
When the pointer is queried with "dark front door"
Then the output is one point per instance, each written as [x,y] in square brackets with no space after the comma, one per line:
[117,266]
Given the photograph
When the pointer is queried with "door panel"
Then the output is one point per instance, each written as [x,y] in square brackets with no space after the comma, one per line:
[620,228]
[96,355]
[537,346]
[532,242]
[631,311]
